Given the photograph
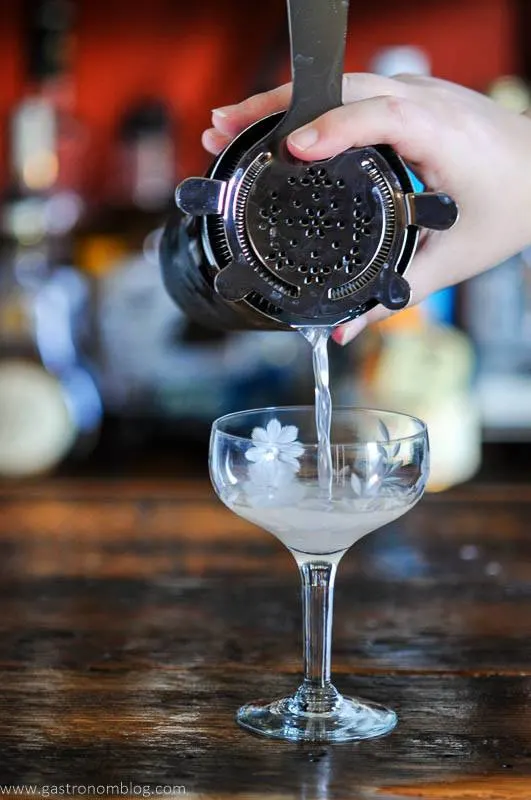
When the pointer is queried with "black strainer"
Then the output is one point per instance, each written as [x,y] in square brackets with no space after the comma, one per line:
[297,243]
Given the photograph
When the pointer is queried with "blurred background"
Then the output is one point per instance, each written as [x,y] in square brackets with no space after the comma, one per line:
[102,106]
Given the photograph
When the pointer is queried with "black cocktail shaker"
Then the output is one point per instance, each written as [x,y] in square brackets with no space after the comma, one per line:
[267,241]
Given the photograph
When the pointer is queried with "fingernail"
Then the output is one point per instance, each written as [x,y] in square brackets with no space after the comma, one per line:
[346,333]
[304,138]
[224,111]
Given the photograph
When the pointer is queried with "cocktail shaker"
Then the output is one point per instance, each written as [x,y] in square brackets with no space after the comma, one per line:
[268,241]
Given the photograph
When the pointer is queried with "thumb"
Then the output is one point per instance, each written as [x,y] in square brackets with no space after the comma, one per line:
[397,121]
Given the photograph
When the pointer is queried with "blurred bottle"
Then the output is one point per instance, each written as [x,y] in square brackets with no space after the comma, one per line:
[496,311]
[48,144]
[401,59]
[424,368]
[138,193]
[511,92]
[144,168]
[50,408]
[164,376]
[49,404]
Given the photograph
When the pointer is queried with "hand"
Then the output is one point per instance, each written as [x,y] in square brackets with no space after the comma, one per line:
[456,140]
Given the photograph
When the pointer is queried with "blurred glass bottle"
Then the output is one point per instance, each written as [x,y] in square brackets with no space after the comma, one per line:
[496,312]
[144,172]
[161,372]
[49,404]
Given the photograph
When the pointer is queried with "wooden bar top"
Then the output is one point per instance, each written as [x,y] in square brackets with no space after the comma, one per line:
[137,616]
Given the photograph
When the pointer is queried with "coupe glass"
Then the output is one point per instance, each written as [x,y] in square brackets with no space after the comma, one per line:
[267,467]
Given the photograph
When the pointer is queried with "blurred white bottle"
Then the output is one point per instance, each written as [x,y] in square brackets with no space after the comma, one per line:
[399,60]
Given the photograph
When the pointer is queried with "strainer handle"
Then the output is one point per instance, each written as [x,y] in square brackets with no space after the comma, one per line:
[318,30]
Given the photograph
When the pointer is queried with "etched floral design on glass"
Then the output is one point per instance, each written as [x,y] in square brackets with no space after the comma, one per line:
[265,467]
[274,457]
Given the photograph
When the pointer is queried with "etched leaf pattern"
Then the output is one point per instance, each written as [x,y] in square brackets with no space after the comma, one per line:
[380,475]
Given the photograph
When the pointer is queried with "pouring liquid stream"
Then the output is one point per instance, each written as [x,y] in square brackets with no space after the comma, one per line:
[319,522]
[318,338]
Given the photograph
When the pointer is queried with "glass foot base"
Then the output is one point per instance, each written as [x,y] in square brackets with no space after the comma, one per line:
[350,720]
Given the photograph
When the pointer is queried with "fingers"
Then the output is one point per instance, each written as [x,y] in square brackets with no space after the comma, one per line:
[363,85]
[214,142]
[391,117]
[231,120]
[392,120]
[346,333]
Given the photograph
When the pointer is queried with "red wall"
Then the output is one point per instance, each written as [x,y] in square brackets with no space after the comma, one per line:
[203,54]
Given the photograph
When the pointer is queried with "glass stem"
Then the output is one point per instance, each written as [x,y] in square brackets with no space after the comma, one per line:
[317,694]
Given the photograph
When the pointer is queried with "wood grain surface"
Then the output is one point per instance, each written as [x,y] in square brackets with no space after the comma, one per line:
[136,617]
